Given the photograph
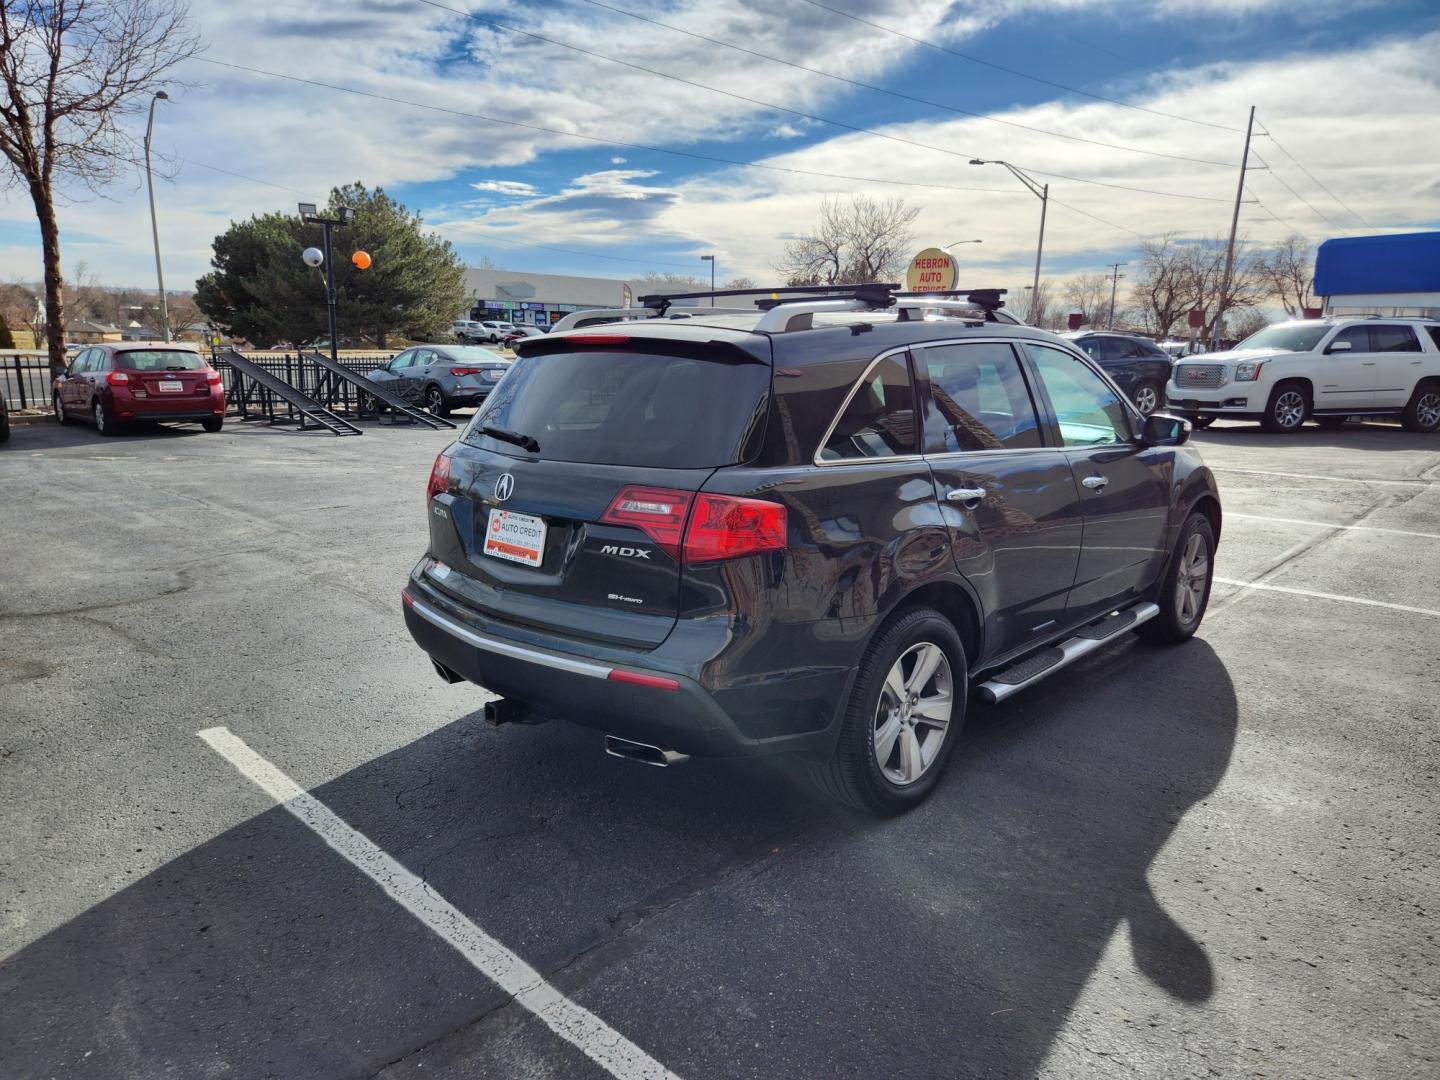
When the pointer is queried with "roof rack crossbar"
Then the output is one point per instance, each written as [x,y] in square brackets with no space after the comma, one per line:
[839,291]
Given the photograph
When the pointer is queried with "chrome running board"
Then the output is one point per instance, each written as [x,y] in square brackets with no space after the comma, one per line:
[1048,661]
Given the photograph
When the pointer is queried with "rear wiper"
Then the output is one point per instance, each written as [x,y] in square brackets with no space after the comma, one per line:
[177,367]
[525,442]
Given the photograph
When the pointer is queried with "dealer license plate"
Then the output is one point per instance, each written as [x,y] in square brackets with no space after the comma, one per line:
[171,387]
[516,537]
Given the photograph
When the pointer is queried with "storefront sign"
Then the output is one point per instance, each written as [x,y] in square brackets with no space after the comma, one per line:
[933,270]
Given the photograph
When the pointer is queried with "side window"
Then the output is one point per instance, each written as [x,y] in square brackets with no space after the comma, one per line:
[980,398]
[1093,347]
[879,419]
[1088,411]
[404,360]
[1117,349]
[78,364]
[1393,339]
[1434,332]
[1357,336]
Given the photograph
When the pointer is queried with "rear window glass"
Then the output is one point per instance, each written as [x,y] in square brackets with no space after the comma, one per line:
[621,408]
[160,360]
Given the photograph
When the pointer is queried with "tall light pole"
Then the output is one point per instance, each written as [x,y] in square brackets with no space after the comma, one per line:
[1041,192]
[309,214]
[160,95]
[711,260]
[957,243]
[1114,281]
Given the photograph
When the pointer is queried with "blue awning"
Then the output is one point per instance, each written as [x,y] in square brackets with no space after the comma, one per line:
[1402,263]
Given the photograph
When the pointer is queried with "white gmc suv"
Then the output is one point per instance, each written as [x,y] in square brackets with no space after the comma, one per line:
[1328,369]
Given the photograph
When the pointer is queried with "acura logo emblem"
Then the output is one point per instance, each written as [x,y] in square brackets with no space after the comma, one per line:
[504,487]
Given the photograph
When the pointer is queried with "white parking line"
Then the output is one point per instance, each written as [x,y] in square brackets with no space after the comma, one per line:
[592,1036]
[1331,525]
[1332,479]
[1327,596]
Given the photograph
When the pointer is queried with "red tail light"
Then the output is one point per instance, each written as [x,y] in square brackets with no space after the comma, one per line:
[439,478]
[724,527]
[464,371]
[654,682]
[719,526]
[212,377]
[657,512]
[117,378]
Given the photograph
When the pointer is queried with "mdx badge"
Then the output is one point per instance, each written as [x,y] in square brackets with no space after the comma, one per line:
[504,487]
[625,552]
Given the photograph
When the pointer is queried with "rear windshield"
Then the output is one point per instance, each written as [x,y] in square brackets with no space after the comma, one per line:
[622,408]
[474,352]
[160,360]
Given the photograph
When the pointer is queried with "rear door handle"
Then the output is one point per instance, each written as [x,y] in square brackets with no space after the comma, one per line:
[1095,483]
[966,497]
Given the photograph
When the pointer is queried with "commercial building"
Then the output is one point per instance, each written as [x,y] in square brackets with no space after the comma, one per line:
[1380,275]
[541,299]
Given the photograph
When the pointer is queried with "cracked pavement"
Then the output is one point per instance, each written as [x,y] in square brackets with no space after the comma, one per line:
[1218,860]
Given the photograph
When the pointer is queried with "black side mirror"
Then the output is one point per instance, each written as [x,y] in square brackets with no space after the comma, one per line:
[1162,430]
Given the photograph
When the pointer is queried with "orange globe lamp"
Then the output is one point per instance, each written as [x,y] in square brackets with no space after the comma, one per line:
[361,259]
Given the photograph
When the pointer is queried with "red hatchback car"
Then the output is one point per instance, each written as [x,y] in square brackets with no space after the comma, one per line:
[111,385]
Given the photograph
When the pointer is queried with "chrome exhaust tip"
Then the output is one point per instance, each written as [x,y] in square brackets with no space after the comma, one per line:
[639,751]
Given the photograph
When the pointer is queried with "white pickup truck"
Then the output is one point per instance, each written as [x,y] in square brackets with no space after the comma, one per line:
[1322,369]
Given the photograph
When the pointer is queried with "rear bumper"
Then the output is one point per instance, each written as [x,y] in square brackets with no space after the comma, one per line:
[584,690]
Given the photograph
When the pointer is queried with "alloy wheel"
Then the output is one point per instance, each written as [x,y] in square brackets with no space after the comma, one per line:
[1146,399]
[434,400]
[99,417]
[1427,410]
[1193,579]
[1289,409]
[912,717]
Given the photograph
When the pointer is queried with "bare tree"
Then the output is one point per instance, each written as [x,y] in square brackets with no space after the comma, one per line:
[860,239]
[1088,294]
[71,73]
[1162,289]
[1246,322]
[1204,272]
[1288,270]
[739,283]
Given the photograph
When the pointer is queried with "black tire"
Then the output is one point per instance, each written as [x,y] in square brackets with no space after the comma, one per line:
[852,774]
[1422,413]
[435,401]
[213,426]
[1178,622]
[103,424]
[4,428]
[1200,423]
[1149,396]
[60,413]
[1331,423]
[1288,408]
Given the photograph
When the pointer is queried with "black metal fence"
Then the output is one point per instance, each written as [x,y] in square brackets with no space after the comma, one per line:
[25,379]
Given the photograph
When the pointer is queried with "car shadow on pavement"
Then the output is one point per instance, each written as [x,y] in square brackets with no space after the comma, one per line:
[1353,436]
[718,915]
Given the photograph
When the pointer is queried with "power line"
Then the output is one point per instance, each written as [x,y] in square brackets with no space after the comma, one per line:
[1019,74]
[1281,181]
[496,24]
[600,140]
[1265,130]
[252,179]
[1282,221]
[902,96]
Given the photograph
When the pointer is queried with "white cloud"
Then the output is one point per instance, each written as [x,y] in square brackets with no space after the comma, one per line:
[506,187]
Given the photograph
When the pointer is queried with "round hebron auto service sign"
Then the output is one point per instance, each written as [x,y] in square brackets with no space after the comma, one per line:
[932,270]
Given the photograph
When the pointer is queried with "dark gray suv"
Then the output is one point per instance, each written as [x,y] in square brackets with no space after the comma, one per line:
[817,530]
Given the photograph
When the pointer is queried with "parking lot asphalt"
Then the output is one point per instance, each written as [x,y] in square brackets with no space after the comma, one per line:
[1212,860]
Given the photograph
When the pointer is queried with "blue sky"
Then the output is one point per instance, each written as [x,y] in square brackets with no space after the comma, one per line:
[1345,88]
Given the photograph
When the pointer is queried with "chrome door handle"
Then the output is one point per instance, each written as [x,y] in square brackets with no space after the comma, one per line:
[1095,483]
[968,497]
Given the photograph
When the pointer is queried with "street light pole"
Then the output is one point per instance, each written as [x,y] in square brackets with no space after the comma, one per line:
[308,213]
[160,95]
[1041,192]
[711,260]
[1217,325]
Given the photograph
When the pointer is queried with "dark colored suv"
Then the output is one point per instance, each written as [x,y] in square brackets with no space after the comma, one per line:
[813,531]
[1139,366]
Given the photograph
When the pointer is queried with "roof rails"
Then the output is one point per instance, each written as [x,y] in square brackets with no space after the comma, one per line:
[599,316]
[795,311]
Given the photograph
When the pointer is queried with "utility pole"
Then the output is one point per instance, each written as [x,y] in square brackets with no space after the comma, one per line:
[1041,192]
[1230,248]
[1114,282]
[160,95]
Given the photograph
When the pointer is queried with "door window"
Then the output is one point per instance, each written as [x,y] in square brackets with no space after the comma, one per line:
[980,398]
[1088,412]
[404,360]
[879,419]
[1118,349]
[1393,339]
[423,357]
[1094,347]
[1357,336]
